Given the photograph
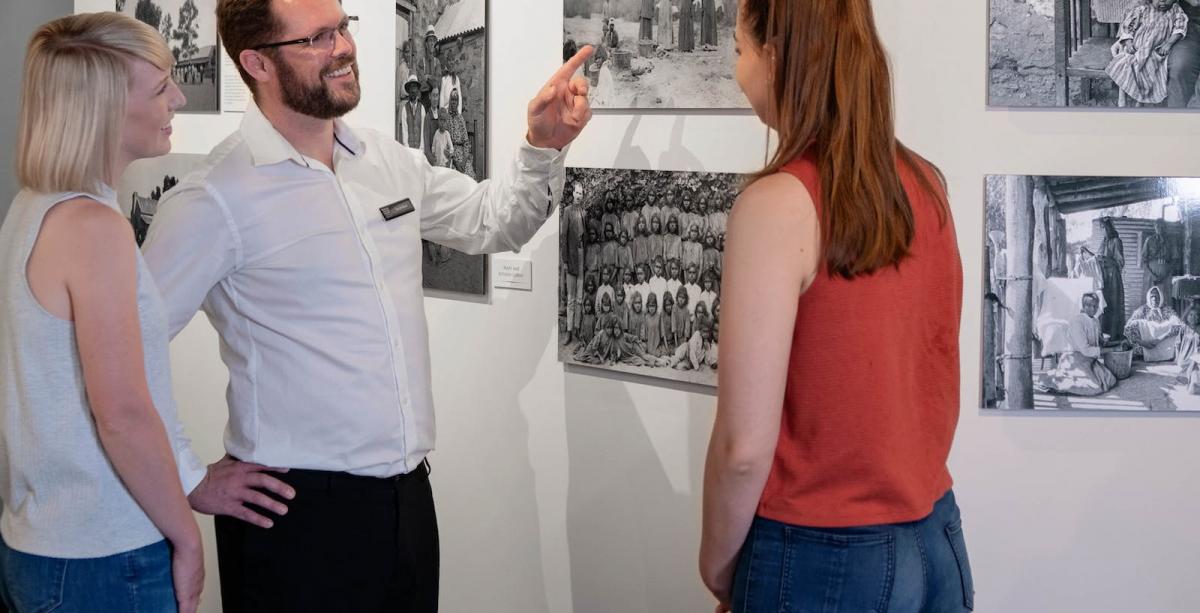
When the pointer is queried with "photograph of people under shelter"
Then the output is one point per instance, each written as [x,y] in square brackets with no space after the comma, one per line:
[1094,53]
[190,29]
[656,53]
[441,109]
[640,260]
[1091,294]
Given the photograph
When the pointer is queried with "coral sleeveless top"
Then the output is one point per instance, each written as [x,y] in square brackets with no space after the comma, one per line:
[872,397]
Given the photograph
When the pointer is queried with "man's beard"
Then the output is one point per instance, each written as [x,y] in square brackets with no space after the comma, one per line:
[316,100]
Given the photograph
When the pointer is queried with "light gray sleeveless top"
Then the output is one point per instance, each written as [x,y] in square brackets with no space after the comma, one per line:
[62,497]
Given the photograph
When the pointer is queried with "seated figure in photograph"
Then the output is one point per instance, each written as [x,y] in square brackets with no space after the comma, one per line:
[700,351]
[1080,370]
[1152,328]
[1187,353]
[1148,32]
[838,393]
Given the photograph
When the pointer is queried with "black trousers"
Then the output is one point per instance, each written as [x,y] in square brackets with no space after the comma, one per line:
[347,544]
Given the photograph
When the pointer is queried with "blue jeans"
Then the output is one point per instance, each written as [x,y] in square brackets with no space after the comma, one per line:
[897,568]
[135,581]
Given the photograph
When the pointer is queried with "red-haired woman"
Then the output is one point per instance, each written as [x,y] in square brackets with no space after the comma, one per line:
[826,485]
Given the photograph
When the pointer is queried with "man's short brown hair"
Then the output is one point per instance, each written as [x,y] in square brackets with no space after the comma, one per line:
[245,24]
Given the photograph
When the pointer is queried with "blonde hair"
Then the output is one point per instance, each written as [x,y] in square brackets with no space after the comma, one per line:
[73,100]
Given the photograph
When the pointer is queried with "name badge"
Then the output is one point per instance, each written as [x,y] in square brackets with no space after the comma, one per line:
[397,209]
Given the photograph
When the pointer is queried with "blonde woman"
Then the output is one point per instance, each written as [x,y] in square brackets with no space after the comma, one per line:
[95,517]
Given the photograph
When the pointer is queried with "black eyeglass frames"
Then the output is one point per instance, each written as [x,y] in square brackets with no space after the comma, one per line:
[323,40]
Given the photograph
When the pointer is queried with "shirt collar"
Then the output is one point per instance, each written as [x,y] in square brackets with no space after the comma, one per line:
[268,146]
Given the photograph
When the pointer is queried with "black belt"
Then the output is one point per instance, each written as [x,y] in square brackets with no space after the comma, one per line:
[304,478]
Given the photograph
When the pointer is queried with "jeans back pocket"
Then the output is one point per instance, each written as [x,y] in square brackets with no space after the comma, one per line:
[34,583]
[838,570]
[954,534]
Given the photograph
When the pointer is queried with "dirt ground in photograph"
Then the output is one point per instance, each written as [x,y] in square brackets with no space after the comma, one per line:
[701,79]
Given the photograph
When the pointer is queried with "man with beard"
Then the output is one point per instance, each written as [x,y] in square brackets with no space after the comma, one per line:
[412,117]
[300,239]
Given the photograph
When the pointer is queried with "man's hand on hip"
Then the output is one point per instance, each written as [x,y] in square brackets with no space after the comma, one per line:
[229,485]
[561,110]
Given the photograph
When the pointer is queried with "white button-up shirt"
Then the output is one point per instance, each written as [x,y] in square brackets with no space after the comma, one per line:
[317,297]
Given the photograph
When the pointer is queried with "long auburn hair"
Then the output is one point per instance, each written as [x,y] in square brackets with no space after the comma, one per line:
[832,98]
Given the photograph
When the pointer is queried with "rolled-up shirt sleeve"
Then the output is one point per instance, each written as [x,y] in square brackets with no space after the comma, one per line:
[494,215]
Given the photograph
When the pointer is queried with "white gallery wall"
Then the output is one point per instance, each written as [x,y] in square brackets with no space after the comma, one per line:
[579,492]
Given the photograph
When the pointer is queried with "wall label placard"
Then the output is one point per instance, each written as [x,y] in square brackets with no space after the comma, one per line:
[513,274]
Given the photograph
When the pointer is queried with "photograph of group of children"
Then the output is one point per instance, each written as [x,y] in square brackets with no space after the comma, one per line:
[1098,53]
[656,53]
[641,256]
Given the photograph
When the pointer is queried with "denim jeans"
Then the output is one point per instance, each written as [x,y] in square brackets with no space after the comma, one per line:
[917,567]
[135,581]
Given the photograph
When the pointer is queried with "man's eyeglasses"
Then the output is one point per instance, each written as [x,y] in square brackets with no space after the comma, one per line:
[323,40]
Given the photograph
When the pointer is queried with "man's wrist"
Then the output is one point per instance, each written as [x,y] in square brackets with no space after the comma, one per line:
[536,145]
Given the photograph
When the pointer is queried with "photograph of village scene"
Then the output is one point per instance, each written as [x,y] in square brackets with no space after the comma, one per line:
[190,29]
[1091,294]
[671,54]
[1094,53]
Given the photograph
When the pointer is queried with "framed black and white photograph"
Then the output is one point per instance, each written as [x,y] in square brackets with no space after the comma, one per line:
[441,109]
[665,54]
[190,29]
[1091,294]
[144,183]
[1094,53]
[640,262]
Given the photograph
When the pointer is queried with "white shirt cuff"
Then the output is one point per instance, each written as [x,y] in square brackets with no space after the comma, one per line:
[535,157]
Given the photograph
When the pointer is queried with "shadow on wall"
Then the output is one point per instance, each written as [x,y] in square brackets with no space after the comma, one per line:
[633,500]
[677,156]
[635,475]
[493,532]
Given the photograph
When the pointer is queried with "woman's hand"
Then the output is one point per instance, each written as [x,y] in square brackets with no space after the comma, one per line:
[187,570]
[719,582]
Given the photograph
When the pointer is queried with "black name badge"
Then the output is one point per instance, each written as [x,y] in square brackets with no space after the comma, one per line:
[397,209]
